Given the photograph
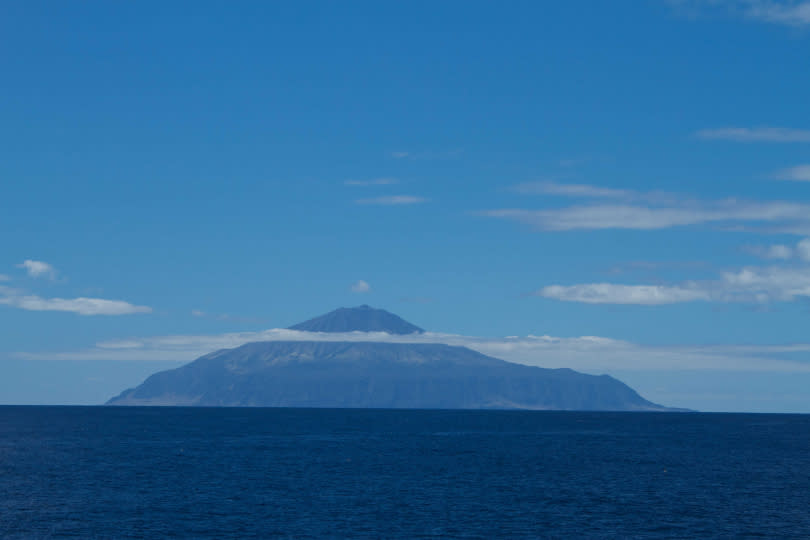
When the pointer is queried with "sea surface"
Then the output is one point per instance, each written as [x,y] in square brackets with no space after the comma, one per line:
[107,472]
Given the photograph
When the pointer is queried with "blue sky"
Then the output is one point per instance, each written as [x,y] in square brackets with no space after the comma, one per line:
[630,180]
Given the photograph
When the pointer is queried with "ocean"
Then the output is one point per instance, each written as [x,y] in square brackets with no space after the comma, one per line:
[108,472]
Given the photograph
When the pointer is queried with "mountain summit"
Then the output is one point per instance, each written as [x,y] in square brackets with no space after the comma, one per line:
[358,319]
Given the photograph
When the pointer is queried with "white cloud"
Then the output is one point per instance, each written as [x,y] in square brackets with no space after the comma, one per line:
[768,284]
[588,191]
[800,173]
[664,211]
[780,251]
[794,13]
[120,344]
[4,277]
[570,190]
[360,286]
[788,12]
[752,284]
[803,250]
[80,306]
[760,134]
[428,155]
[393,200]
[748,285]
[198,313]
[374,182]
[37,269]
[609,293]
[599,217]
[586,353]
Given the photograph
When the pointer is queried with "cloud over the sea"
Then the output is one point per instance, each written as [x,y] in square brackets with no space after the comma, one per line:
[585,353]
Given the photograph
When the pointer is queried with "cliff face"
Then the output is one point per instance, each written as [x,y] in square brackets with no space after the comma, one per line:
[377,375]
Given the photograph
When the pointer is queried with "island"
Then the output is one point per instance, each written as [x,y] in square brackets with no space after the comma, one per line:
[370,374]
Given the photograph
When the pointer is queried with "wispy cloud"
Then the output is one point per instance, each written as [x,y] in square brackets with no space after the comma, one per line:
[800,251]
[588,191]
[360,286]
[585,353]
[427,155]
[758,134]
[80,306]
[21,299]
[628,209]
[618,216]
[755,284]
[776,251]
[794,13]
[800,173]
[4,277]
[393,200]
[651,267]
[570,190]
[748,285]
[120,344]
[374,182]
[609,293]
[788,12]
[38,269]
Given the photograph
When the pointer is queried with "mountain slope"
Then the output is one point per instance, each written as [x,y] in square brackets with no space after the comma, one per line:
[377,375]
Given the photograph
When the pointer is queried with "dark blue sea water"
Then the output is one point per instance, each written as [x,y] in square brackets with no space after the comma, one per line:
[102,472]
